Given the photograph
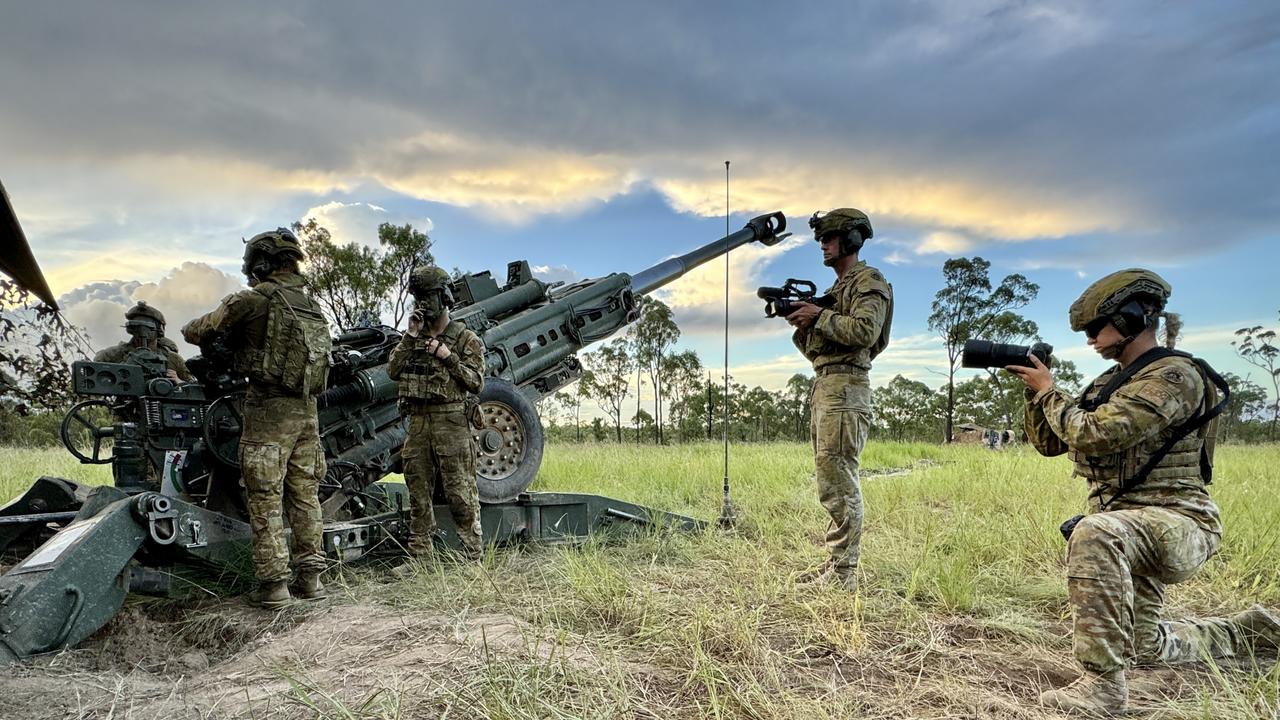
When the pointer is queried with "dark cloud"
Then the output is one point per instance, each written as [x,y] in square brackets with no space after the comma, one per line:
[1164,118]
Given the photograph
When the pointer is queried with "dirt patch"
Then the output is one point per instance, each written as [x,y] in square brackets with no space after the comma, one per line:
[227,660]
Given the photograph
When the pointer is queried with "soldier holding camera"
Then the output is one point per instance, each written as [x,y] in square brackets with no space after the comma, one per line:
[439,364]
[1142,437]
[841,340]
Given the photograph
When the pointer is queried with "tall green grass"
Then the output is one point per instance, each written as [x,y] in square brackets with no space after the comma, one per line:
[962,610]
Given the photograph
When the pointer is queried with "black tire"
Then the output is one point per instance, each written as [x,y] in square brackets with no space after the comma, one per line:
[509,443]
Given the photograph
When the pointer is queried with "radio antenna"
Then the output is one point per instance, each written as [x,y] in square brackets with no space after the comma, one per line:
[727,516]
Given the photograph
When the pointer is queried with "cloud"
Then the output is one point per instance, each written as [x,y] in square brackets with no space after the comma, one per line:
[358,221]
[995,121]
[557,273]
[185,292]
[697,299]
[947,243]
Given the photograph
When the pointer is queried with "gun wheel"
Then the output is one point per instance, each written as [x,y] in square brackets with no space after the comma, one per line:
[508,442]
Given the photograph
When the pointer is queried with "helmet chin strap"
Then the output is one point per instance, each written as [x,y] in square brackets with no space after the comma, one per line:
[1112,351]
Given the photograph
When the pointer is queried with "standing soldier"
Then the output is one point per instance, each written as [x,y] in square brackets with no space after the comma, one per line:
[841,341]
[147,343]
[440,365]
[1141,436]
[280,340]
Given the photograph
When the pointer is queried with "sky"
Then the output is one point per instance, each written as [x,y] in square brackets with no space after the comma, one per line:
[140,142]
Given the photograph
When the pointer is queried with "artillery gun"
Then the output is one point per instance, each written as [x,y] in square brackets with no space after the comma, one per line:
[176,501]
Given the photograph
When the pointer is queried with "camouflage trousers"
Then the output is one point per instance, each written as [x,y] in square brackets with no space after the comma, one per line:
[440,447]
[281,463]
[1118,564]
[840,421]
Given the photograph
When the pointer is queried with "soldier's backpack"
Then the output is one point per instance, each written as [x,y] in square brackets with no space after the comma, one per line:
[295,351]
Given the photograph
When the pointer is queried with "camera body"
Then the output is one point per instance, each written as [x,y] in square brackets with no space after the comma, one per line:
[986,354]
[781,301]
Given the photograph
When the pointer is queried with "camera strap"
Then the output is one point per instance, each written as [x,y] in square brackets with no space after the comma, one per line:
[1201,418]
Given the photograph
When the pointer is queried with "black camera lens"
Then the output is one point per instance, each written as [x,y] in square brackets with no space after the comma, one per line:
[987,354]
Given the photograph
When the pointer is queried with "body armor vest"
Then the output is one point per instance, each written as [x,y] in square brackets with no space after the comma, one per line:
[294,355]
[425,377]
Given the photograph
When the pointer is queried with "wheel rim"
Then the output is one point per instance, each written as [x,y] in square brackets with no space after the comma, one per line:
[500,441]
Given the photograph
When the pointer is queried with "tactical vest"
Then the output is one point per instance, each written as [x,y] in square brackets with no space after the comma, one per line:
[1188,452]
[294,355]
[425,376]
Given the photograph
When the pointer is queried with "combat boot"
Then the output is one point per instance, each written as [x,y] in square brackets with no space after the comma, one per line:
[1099,695]
[1259,627]
[271,595]
[309,587]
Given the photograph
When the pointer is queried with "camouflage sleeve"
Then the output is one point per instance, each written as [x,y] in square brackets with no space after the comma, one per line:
[800,338]
[860,325]
[400,356]
[178,365]
[1160,397]
[1038,431]
[225,317]
[467,363]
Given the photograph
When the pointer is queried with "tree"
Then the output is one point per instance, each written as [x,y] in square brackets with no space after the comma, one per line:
[404,248]
[906,410]
[1248,402]
[967,308]
[36,349]
[355,283]
[344,279]
[653,333]
[682,373]
[606,379]
[572,401]
[799,398]
[1258,348]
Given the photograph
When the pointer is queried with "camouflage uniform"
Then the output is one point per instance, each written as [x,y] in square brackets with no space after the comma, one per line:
[440,442]
[281,459]
[120,354]
[841,344]
[1122,555]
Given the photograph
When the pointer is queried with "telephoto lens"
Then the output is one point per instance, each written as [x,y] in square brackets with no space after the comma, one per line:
[987,354]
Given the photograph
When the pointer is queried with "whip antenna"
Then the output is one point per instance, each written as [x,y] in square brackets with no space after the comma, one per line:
[727,517]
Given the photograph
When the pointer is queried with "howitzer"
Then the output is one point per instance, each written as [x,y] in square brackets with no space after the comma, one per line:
[781,302]
[177,500]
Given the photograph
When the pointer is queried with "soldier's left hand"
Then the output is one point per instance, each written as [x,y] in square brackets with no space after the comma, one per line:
[1037,378]
[804,315]
[437,348]
[172,375]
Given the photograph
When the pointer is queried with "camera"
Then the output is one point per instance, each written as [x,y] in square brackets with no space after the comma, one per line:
[987,354]
[781,302]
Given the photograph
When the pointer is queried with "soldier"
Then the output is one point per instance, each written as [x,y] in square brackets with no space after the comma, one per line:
[841,341]
[1142,437]
[146,344]
[440,365]
[281,342]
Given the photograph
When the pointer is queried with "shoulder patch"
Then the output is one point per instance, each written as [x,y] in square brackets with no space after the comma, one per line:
[1173,375]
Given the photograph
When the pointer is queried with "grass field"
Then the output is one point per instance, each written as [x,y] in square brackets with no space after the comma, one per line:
[962,611]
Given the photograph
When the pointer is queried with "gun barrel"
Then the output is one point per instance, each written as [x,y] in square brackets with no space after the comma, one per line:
[768,229]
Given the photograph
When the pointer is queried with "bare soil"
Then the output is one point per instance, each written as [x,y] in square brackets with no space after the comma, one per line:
[225,659]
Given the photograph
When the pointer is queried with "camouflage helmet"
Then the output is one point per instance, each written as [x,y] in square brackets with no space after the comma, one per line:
[143,310]
[1106,298]
[843,221]
[278,243]
[426,278]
